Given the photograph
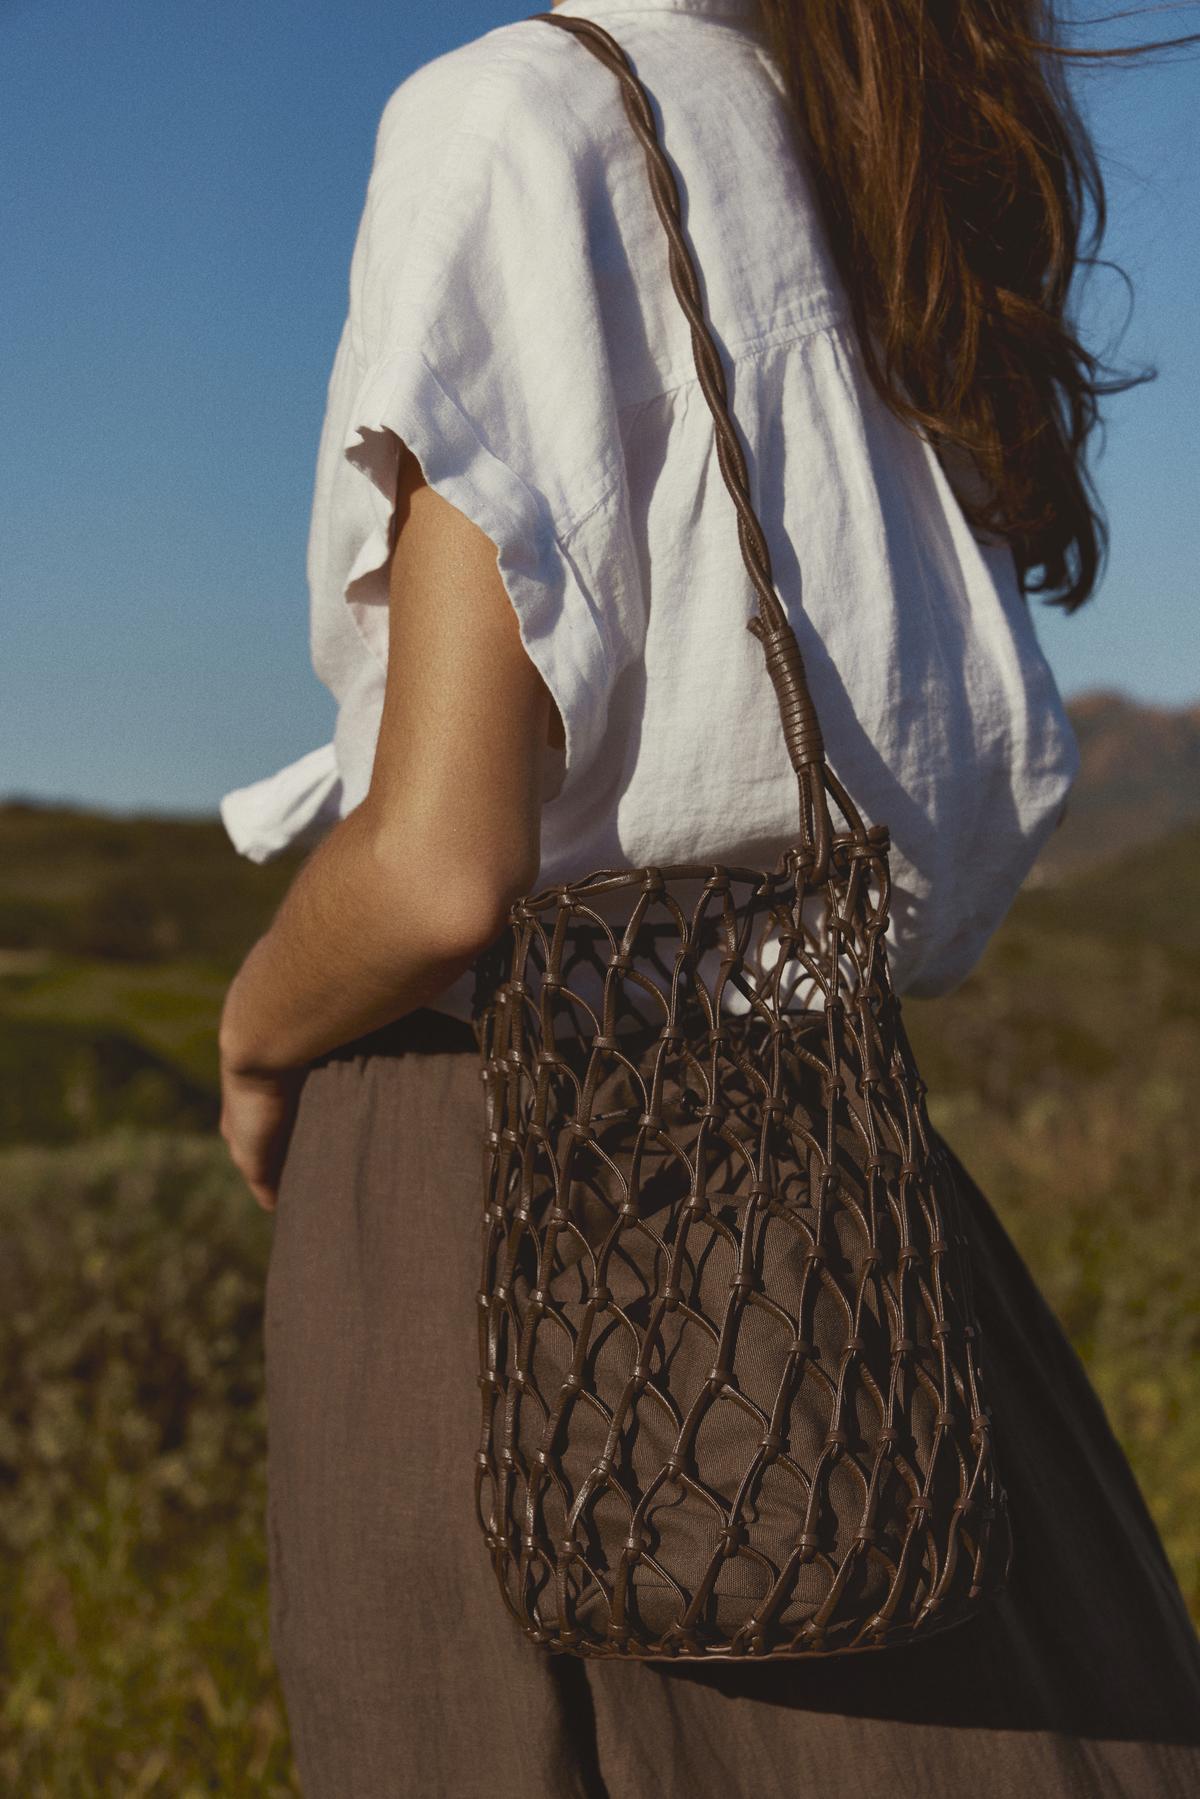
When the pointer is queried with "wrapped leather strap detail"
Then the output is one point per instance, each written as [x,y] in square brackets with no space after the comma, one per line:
[785,665]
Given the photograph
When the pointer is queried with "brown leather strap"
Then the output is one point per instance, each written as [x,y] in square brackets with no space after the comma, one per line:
[801,729]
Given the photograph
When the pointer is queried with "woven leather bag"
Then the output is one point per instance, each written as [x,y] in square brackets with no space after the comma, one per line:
[730,1366]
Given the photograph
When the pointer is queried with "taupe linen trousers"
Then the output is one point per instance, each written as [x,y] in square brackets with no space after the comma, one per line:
[404,1675]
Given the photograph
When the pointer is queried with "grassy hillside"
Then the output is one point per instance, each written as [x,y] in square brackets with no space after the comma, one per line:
[117,940]
[1066,1072]
[132,1597]
[130,889]
[1139,779]
[133,1591]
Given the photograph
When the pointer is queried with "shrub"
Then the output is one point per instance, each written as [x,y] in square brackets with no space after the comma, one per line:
[131,1476]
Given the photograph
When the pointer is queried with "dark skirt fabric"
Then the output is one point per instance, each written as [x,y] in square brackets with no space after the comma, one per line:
[402,1671]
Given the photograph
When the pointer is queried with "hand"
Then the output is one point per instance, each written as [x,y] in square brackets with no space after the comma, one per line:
[257,1112]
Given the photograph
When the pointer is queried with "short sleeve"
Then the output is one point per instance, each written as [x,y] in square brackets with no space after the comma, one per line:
[477,340]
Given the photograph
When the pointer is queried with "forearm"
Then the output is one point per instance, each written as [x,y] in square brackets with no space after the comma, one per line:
[365,934]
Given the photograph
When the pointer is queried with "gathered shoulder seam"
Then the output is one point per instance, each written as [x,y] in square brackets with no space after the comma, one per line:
[791,327]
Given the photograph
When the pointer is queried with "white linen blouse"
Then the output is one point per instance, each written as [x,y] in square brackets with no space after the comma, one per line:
[511,320]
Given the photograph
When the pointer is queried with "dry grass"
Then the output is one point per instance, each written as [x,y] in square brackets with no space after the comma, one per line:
[133,1598]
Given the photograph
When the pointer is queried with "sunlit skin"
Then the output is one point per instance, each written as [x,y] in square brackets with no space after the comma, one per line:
[404,892]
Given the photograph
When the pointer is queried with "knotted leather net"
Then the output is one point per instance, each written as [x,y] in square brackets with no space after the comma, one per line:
[729,1362]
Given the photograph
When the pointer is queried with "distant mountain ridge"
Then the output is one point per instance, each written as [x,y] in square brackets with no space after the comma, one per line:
[1139,779]
[118,937]
[150,887]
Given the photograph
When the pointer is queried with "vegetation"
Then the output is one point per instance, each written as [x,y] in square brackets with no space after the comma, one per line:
[1065,1072]
[133,1597]
[133,1604]
[134,889]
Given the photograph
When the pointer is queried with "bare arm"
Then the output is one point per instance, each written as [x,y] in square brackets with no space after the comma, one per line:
[404,892]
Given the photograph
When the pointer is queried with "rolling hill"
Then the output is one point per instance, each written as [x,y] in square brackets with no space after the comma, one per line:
[1139,778]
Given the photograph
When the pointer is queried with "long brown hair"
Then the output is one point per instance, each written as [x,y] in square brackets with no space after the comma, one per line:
[953,169]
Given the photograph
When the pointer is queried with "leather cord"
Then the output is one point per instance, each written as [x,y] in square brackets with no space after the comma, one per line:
[770,625]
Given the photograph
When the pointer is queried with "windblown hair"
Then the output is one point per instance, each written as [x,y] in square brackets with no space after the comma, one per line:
[953,170]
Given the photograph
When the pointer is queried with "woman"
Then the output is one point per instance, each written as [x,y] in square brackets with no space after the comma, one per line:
[529,601]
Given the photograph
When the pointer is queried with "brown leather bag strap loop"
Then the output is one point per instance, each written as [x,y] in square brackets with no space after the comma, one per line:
[785,665]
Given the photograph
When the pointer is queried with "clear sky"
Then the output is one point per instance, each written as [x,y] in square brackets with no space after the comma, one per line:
[181,188]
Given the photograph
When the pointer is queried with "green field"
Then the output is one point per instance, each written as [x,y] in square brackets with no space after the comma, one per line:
[1065,1072]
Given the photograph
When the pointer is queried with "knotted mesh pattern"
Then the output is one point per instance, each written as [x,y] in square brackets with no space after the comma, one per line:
[729,1362]
[728,1354]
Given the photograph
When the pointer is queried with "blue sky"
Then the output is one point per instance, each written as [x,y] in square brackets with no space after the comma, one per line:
[182,187]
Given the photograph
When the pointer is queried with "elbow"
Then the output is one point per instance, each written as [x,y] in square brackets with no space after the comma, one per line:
[457,906]
[473,911]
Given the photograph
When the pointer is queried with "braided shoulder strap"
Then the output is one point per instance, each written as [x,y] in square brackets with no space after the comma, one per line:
[770,624]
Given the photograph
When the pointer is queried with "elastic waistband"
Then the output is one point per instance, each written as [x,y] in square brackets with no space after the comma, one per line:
[424,1031]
